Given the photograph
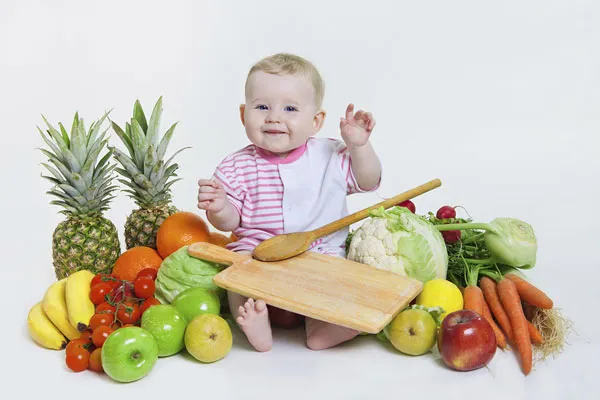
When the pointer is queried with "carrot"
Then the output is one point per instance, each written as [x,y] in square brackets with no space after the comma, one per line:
[534,334]
[529,293]
[473,299]
[488,287]
[500,338]
[507,291]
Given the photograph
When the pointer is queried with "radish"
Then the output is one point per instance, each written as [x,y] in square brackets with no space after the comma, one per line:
[446,212]
[408,204]
[451,236]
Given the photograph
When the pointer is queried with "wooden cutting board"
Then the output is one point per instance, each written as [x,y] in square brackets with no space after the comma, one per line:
[322,287]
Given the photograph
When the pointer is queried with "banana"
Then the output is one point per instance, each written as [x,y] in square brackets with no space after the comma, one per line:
[43,331]
[77,295]
[54,305]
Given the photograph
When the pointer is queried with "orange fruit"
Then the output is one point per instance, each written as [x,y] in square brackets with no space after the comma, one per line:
[232,237]
[131,262]
[180,229]
[219,239]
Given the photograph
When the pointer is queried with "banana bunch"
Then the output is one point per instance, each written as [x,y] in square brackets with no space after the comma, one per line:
[64,311]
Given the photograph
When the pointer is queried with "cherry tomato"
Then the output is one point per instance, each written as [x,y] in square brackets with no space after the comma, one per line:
[409,204]
[149,272]
[122,292]
[144,287]
[105,308]
[100,334]
[99,278]
[96,360]
[100,320]
[446,212]
[152,301]
[98,292]
[86,335]
[75,345]
[128,312]
[78,360]
[115,325]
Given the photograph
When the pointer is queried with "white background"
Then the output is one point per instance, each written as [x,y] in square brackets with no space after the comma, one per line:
[500,100]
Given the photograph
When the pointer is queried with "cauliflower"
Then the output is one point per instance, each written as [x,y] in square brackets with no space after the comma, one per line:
[399,241]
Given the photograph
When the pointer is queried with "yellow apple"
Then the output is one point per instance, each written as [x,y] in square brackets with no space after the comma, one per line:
[208,338]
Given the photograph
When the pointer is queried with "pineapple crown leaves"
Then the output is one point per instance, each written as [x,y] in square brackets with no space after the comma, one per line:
[146,174]
[82,183]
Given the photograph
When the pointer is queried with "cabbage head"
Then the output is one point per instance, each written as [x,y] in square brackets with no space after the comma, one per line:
[180,271]
[399,241]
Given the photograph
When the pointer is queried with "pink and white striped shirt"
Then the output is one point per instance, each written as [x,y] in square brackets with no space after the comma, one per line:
[302,191]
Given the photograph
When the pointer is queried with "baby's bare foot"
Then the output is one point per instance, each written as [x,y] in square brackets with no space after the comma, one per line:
[253,318]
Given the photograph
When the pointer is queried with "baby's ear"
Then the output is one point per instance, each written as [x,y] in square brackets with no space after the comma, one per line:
[242,109]
[318,120]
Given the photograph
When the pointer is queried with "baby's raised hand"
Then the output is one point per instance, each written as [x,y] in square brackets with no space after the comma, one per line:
[356,128]
[211,195]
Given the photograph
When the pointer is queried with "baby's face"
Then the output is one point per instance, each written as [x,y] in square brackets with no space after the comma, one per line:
[280,113]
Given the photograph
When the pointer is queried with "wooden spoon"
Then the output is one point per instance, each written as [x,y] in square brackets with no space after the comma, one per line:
[288,245]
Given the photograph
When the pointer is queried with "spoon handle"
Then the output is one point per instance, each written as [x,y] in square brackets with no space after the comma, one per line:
[364,213]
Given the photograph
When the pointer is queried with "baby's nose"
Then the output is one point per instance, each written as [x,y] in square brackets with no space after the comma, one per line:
[273,116]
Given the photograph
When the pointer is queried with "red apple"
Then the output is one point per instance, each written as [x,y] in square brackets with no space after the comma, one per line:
[283,318]
[466,340]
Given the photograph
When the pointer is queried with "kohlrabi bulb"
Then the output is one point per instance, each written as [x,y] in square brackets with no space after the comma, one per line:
[512,242]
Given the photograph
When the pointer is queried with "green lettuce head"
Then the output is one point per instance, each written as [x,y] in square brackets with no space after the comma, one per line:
[180,271]
[399,241]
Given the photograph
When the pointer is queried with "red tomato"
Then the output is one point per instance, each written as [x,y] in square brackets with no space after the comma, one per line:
[115,325]
[128,312]
[98,292]
[100,334]
[86,335]
[149,272]
[122,292]
[105,308]
[75,345]
[152,301]
[96,360]
[99,279]
[144,287]
[100,320]
[78,360]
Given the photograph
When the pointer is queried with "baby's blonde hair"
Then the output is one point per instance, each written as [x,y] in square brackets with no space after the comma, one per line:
[290,64]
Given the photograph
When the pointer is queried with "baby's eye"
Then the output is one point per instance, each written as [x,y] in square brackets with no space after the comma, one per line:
[290,108]
[261,107]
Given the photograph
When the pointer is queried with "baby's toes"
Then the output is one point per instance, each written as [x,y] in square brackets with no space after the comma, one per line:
[242,311]
[260,306]
[240,320]
[249,305]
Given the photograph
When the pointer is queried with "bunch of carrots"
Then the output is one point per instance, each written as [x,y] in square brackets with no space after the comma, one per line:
[502,300]
[502,297]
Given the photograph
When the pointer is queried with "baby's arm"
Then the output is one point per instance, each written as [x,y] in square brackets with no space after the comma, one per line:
[356,130]
[365,165]
[219,210]
[228,219]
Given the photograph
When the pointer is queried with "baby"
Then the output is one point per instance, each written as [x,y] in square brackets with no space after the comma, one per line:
[287,180]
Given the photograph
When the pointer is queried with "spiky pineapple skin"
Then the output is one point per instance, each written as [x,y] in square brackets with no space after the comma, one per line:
[142,224]
[90,243]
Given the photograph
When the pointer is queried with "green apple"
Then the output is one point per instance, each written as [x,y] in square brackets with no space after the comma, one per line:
[412,331]
[195,301]
[128,354]
[208,338]
[167,325]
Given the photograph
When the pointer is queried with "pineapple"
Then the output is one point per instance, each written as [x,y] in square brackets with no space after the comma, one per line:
[83,186]
[146,174]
